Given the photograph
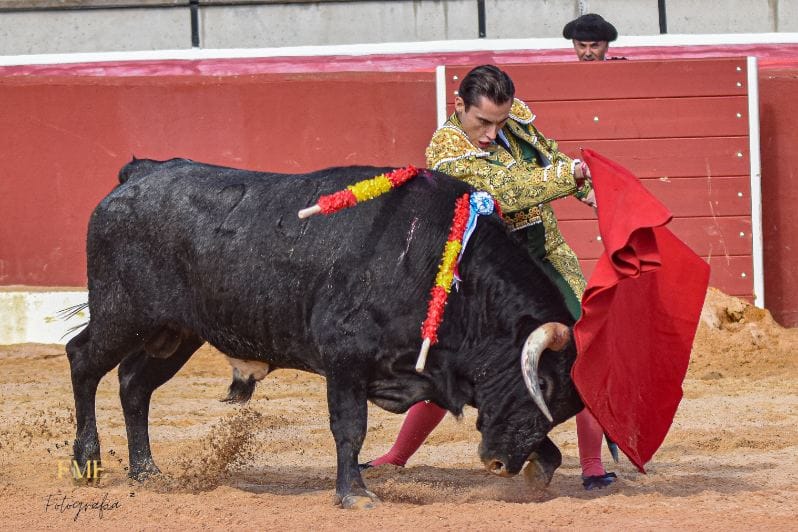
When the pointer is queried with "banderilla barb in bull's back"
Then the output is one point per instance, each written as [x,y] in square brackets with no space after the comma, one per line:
[360,192]
[376,186]
[443,281]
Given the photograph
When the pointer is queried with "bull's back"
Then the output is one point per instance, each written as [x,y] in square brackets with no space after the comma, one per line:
[223,252]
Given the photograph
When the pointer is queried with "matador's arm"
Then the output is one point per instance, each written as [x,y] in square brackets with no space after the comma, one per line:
[519,186]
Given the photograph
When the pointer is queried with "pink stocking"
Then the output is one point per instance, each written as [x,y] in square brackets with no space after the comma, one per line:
[419,422]
[589,435]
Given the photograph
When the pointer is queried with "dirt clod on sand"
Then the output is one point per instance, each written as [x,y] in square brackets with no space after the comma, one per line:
[728,463]
[737,339]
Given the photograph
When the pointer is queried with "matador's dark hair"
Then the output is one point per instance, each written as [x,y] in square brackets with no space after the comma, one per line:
[488,81]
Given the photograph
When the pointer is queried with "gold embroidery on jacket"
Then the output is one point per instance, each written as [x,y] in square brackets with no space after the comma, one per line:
[520,219]
[523,187]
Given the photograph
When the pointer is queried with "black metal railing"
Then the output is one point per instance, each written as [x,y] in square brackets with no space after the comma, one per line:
[79,5]
[194,6]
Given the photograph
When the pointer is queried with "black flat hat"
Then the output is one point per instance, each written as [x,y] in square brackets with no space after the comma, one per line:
[590,27]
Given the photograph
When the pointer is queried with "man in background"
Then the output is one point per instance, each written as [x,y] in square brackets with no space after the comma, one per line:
[591,36]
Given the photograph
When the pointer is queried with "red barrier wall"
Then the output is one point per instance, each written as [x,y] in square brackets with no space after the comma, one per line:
[67,137]
[681,126]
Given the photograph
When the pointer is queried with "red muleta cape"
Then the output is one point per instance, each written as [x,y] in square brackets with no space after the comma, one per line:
[640,312]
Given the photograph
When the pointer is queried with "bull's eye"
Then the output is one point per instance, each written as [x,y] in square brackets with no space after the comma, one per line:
[542,383]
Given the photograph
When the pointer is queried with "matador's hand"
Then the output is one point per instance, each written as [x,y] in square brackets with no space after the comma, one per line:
[590,199]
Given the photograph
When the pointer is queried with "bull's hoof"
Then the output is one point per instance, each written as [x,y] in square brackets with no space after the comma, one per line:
[143,471]
[364,500]
[85,450]
[536,476]
[85,460]
[356,502]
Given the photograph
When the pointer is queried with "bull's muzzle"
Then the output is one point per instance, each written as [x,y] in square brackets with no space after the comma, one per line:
[497,467]
[552,335]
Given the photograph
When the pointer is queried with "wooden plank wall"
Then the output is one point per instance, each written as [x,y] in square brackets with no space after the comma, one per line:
[680,126]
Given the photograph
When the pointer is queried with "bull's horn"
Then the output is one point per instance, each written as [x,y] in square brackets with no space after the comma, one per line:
[552,336]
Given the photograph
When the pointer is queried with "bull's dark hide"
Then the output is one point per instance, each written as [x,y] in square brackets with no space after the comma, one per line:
[182,252]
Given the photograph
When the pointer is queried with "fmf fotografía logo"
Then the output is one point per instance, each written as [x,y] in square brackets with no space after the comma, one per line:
[71,469]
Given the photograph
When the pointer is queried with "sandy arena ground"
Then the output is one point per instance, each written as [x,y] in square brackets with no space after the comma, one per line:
[730,461]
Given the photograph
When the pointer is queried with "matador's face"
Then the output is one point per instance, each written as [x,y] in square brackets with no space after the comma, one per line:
[483,121]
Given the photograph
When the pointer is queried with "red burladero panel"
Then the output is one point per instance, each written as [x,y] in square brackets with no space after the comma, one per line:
[680,126]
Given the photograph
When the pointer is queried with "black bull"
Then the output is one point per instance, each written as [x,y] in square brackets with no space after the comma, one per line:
[181,253]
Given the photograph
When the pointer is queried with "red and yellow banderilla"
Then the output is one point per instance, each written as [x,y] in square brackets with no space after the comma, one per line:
[360,192]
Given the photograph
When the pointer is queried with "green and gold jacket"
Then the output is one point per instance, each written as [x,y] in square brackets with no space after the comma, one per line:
[523,177]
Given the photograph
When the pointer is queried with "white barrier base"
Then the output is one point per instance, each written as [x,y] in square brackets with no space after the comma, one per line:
[32,316]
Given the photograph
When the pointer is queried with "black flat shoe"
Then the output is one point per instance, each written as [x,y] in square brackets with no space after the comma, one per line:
[363,467]
[598,481]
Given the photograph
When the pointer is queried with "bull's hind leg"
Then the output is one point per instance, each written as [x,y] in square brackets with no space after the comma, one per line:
[88,365]
[139,375]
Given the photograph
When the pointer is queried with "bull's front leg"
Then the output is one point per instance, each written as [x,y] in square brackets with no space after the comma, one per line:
[346,401]
[542,464]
